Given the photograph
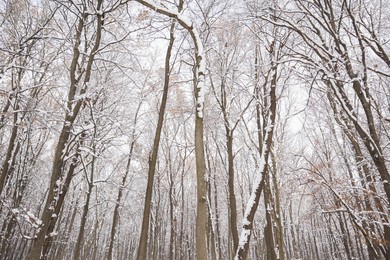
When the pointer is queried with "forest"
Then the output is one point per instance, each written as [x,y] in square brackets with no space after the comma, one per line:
[195,129]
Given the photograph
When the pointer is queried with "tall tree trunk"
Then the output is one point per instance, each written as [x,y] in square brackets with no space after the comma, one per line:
[269,235]
[172,217]
[278,227]
[115,218]
[265,146]
[143,241]
[231,182]
[80,238]
[13,147]
[199,90]
[181,237]
[210,225]
[201,217]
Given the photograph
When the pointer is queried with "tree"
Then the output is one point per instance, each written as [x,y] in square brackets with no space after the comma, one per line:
[334,30]
[104,117]
[226,93]
[142,249]
[60,179]
[199,89]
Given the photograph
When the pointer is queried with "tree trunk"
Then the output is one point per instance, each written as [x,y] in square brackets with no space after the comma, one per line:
[231,182]
[115,218]
[80,238]
[269,235]
[201,217]
[266,146]
[143,241]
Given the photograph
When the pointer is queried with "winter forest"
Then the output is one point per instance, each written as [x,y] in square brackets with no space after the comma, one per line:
[197,129]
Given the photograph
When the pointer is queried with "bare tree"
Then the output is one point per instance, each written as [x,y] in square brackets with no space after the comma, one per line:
[142,249]
[60,178]
[328,52]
